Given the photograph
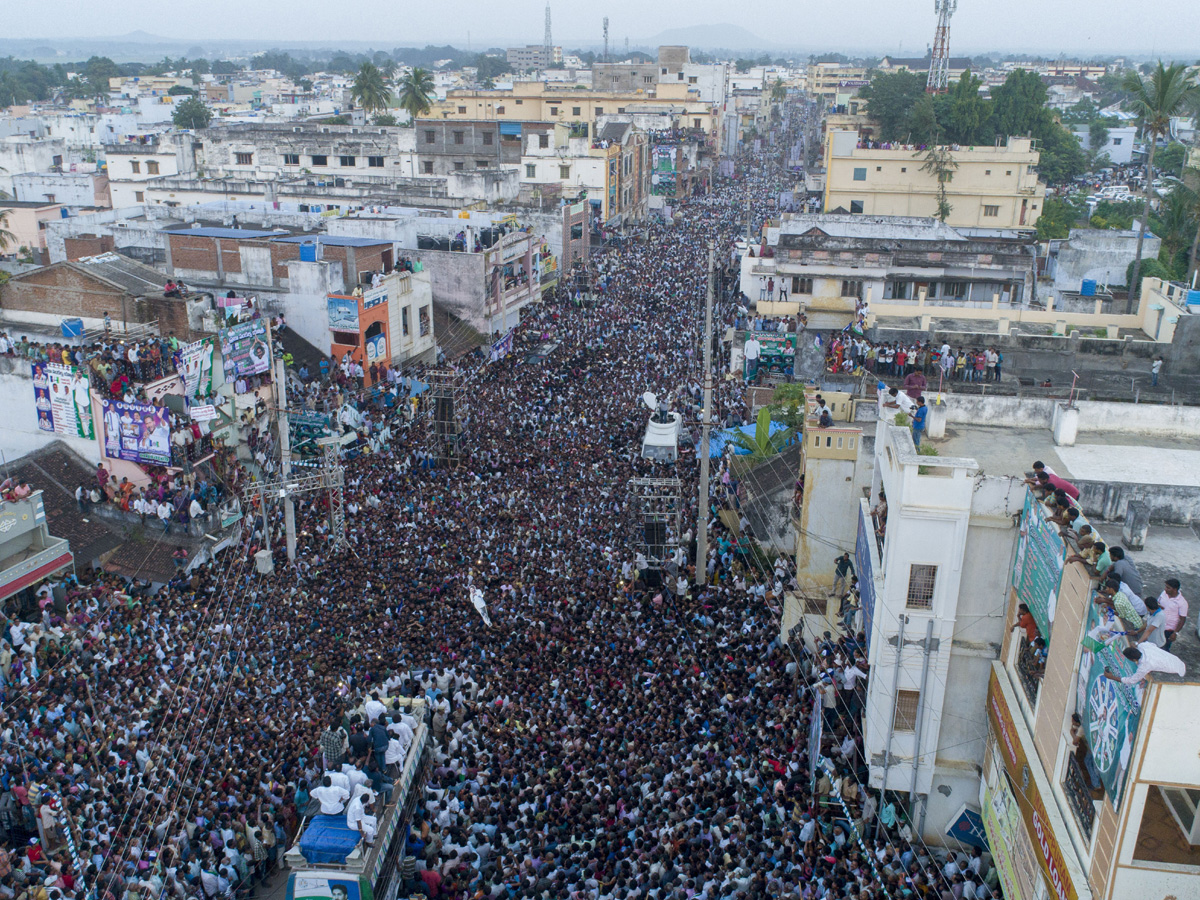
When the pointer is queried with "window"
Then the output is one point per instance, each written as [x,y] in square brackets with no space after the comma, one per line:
[320,160]
[852,289]
[291,159]
[899,290]
[692,79]
[801,285]
[576,110]
[487,138]
[49,199]
[152,165]
[620,110]
[695,123]
[987,171]
[404,320]
[347,161]
[955,289]
[921,579]
[519,102]
[481,163]
[647,79]
[139,196]
[500,110]
[991,211]
[856,206]
[1116,142]
[1008,172]
[462,110]
[904,716]
[543,141]
[564,171]
[427,167]
[458,137]
[554,110]
[599,110]
[664,71]
[530,170]
[423,321]
[429,137]
[860,174]
[879,168]
[904,168]
[135,167]
[243,159]
[375,162]
[459,165]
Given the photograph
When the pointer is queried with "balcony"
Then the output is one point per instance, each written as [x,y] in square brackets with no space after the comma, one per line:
[1030,668]
[1079,796]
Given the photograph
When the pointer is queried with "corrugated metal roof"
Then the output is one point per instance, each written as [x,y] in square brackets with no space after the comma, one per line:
[125,273]
[244,233]
[332,240]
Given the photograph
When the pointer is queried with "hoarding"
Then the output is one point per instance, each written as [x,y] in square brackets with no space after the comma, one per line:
[62,397]
[865,569]
[1110,710]
[244,350]
[1038,567]
[343,314]
[136,432]
[194,363]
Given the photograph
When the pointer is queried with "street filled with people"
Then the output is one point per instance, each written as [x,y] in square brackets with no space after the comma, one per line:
[604,732]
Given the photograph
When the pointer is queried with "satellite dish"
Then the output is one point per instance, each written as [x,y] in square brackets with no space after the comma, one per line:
[650,400]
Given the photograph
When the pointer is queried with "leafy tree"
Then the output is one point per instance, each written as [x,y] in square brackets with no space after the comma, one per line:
[179,90]
[1019,105]
[964,115]
[1061,156]
[97,71]
[1165,93]
[491,66]
[1173,222]
[383,119]
[890,98]
[762,445]
[7,238]
[778,91]
[939,162]
[191,113]
[200,66]
[370,90]
[1148,268]
[1057,219]
[922,124]
[1097,136]
[416,91]
[225,67]
[1171,159]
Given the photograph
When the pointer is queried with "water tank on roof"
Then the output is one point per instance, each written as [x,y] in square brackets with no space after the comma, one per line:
[1193,299]
[1089,287]
[308,251]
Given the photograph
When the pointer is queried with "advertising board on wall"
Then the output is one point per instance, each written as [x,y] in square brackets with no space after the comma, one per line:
[1037,568]
[194,363]
[137,432]
[244,350]
[62,397]
[865,569]
[343,313]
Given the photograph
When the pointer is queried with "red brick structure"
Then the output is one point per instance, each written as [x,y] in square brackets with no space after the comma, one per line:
[87,245]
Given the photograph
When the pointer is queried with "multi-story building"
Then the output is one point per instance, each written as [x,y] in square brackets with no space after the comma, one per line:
[986,187]
[273,151]
[828,263]
[957,65]
[133,164]
[22,153]
[76,189]
[444,147]
[1091,785]
[827,80]
[1118,145]
[534,56]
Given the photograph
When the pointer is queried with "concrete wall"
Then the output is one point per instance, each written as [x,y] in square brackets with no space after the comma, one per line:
[1099,255]
[17,411]
[1169,504]
[1147,419]
[305,303]
[140,238]
[458,283]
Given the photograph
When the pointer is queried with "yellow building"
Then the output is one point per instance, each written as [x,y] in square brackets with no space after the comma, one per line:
[826,81]
[987,187]
[534,101]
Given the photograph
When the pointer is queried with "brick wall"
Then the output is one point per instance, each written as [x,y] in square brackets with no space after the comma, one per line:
[195,253]
[87,245]
[62,291]
[172,316]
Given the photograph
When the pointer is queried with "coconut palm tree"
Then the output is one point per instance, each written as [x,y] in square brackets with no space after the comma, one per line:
[7,238]
[370,90]
[416,88]
[778,91]
[1164,93]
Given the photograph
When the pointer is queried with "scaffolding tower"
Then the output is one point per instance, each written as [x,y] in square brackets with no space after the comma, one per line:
[446,422]
[329,479]
[658,517]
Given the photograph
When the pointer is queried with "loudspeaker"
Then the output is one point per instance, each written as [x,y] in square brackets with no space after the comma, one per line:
[444,415]
[656,539]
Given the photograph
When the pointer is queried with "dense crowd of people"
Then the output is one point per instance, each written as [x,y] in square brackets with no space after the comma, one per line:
[604,732]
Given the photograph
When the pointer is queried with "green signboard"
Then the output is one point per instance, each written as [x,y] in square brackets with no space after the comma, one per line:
[1110,710]
[1039,564]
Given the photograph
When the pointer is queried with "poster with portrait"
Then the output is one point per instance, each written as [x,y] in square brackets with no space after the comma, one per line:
[244,350]
[194,363]
[322,887]
[136,432]
[63,399]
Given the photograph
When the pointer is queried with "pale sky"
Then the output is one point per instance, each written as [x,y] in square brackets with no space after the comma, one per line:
[1166,27]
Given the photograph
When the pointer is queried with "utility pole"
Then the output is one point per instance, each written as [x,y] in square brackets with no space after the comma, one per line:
[285,456]
[702,518]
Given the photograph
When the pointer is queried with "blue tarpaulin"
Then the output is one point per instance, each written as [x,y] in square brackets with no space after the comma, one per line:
[328,839]
[718,440]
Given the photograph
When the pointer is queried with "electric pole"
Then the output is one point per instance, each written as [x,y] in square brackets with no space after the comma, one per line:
[285,456]
[702,518]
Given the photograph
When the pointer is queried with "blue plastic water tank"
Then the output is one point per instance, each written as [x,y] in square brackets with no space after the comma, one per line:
[1089,287]
[72,328]
[308,252]
[1193,298]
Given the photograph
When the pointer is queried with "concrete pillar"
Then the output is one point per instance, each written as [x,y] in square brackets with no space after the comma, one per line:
[925,322]
[1065,424]
[921,300]
[1137,523]
[1049,302]
[935,421]
[1003,325]
[1060,326]
[995,299]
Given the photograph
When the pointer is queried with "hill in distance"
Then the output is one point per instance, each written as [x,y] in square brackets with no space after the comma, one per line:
[704,37]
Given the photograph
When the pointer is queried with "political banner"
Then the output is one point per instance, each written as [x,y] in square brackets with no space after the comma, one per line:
[376,347]
[866,569]
[203,413]
[136,432]
[62,396]
[501,348]
[1110,710]
[1037,569]
[244,350]
[343,313]
[375,296]
[194,363]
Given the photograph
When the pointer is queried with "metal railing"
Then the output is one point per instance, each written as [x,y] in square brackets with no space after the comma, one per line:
[1079,796]
[1030,670]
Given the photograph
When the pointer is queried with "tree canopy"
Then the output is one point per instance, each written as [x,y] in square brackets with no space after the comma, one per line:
[370,90]
[416,91]
[191,113]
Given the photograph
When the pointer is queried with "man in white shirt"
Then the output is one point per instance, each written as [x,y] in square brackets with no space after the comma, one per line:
[331,797]
[752,351]
[1149,658]
[357,817]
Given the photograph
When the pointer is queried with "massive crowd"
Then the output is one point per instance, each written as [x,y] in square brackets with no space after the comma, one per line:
[603,737]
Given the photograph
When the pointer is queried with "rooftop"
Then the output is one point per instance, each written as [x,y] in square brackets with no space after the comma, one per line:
[125,273]
[858,226]
[332,240]
[232,233]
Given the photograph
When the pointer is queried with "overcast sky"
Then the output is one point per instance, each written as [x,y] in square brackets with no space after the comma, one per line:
[1071,26]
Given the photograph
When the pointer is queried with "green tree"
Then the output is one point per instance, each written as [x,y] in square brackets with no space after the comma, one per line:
[1057,219]
[178,90]
[1165,93]
[416,89]
[383,119]
[965,116]
[762,445]
[1061,157]
[97,71]
[890,98]
[370,90]
[778,91]
[1019,105]
[1097,136]
[922,124]
[939,162]
[1172,158]
[225,67]
[7,238]
[191,113]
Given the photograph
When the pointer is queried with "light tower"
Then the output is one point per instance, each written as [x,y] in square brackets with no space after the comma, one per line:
[939,65]
[547,43]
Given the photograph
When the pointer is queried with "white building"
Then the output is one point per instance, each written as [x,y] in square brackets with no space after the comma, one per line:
[1119,145]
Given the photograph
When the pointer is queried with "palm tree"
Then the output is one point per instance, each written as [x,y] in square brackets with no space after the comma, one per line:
[763,445]
[416,87]
[370,90]
[778,91]
[7,238]
[1156,99]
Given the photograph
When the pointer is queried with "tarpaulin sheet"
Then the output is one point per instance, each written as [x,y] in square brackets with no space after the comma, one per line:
[328,839]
